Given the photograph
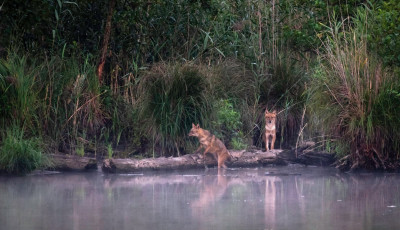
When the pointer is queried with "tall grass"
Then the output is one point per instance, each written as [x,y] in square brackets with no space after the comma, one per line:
[21,155]
[284,91]
[351,90]
[73,110]
[250,61]
[174,97]
[18,77]
[58,97]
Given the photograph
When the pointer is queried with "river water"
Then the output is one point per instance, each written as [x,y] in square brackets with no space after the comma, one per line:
[292,197]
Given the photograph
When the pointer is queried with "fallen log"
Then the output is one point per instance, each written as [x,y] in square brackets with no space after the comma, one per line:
[244,158]
[308,157]
[239,159]
[71,163]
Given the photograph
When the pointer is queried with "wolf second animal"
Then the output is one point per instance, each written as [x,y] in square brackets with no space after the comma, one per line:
[211,144]
[270,128]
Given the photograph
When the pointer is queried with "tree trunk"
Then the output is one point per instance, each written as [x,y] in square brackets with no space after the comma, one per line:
[189,161]
[71,163]
[106,39]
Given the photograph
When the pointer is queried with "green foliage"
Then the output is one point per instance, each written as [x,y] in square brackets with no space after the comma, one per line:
[238,142]
[21,155]
[228,125]
[284,91]
[342,149]
[385,116]
[37,25]
[232,80]
[227,117]
[304,20]
[109,151]
[249,55]
[385,36]
[18,87]
[348,94]
[174,97]
[80,150]
[71,105]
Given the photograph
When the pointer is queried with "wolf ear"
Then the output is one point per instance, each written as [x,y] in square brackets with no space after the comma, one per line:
[266,110]
[193,125]
[197,126]
[274,111]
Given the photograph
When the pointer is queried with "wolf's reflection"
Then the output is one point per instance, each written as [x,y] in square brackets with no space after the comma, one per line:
[213,190]
[215,187]
[273,187]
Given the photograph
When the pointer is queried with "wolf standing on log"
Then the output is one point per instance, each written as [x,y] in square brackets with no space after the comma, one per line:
[212,145]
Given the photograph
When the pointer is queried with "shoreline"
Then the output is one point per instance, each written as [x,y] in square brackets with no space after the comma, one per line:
[240,158]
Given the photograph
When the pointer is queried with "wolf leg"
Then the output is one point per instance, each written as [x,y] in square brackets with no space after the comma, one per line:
[273,141]
[266,142]
[205,156]
[222,159]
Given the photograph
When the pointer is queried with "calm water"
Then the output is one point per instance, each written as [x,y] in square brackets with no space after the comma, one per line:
[290,197]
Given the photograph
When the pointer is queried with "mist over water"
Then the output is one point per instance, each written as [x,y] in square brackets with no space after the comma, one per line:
[291,197]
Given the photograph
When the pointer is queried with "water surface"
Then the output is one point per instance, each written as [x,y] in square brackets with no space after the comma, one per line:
[292,197]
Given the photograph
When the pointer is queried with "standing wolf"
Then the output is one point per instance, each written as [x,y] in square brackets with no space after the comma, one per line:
[270,128]
[212,145]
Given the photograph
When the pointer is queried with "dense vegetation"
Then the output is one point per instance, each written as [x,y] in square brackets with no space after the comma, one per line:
[128,78]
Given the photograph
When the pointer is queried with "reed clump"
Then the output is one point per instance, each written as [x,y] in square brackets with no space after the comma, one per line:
[19,154]
[355,98]
[172,98]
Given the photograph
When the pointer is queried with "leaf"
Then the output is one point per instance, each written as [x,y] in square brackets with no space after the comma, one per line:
[63,50]
[56,14]
[219,51]
[208,37]
[206,40]
[69,2]
[68,11]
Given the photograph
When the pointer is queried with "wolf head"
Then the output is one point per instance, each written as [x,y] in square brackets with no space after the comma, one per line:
[194,131]
[270,117]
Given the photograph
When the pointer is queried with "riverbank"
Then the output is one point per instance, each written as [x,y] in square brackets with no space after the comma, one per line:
[244,158]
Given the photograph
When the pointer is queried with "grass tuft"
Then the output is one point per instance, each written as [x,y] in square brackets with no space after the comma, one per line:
[355,98]
[19,155]
[174,98]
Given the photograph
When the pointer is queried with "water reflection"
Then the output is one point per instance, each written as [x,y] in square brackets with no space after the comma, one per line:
[215,199]
[273,189]
[211,192]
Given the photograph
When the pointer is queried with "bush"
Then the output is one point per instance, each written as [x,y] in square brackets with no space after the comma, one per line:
[386,32]
[173,97]
[19,155]
[355,98]
[228,125]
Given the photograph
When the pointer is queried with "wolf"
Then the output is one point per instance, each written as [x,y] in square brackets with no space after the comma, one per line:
[211,144]
[270,128]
